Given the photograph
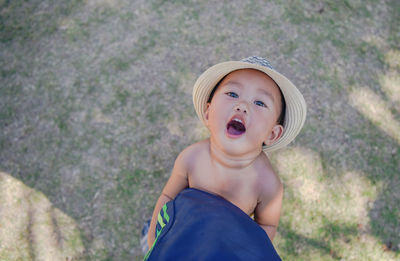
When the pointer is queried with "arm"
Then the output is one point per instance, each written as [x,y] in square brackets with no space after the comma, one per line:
[176,183]
[268,211]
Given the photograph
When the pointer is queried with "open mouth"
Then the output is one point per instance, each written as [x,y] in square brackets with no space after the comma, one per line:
[235,127]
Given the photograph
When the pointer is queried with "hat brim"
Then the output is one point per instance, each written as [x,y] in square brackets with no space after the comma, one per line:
[296,108]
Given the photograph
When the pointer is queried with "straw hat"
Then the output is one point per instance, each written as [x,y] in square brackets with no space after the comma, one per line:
[295,105]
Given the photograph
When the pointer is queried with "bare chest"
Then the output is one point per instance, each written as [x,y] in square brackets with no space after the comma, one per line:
[238,188]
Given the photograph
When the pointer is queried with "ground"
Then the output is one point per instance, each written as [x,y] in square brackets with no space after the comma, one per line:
[95,105]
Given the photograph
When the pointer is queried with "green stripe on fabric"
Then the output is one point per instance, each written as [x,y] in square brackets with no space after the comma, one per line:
[165,213]
[161,221]
[151,249]
[158,232]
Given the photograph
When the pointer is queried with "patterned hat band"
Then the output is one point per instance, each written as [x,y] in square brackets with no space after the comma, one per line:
[296,109]
[258,60]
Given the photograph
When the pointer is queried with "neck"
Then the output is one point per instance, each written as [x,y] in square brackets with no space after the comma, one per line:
[231,161]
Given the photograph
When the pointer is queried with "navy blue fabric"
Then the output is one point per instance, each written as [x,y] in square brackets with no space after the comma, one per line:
[203,226]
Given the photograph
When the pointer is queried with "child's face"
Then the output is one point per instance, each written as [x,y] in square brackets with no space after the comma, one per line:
[243,112]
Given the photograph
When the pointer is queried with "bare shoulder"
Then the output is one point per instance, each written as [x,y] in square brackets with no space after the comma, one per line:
[269,182]
[184,165]
[192,153]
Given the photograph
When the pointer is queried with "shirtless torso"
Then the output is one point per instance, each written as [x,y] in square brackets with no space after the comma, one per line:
[254,188]
[243,187]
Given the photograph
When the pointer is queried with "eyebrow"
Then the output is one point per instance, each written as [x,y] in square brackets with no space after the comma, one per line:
[267,93]
[235,83]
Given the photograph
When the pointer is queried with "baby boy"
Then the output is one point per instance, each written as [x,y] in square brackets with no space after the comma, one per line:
[250,109]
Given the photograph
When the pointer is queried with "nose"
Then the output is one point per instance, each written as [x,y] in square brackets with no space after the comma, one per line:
[241,107]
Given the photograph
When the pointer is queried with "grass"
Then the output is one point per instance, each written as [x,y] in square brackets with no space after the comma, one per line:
[95,105]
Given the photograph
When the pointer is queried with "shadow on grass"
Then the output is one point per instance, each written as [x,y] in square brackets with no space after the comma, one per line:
[31,228]
[295,241]
[372,148]
[381,153]
[18,23]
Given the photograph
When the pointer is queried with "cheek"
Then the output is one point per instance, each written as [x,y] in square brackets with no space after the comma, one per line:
[263,125]
[218,108]
[217,118]
[213,115]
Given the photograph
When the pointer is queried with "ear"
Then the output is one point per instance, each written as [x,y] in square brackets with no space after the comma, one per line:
[206,113]
[275,134]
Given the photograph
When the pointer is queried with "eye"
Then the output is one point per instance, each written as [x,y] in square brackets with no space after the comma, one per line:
[232,94]
[260,103]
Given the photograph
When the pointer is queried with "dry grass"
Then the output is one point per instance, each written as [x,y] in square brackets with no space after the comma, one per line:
[95,104]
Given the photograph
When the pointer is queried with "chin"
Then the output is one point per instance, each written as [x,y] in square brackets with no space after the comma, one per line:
[239,149]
